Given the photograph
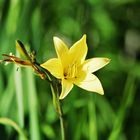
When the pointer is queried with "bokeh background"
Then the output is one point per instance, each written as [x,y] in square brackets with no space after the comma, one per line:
[113,31]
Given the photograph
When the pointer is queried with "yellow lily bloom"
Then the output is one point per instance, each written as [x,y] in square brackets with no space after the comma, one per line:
[72,68]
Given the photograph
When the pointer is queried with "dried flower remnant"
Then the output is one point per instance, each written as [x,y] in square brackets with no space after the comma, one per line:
[29,60]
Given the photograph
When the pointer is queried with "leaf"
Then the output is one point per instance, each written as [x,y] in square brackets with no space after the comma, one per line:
[6,121]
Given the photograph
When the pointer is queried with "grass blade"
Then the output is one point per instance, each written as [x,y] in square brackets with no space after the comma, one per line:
[127,99]
[33,108]
[19,96]
[92,118]
[6,121]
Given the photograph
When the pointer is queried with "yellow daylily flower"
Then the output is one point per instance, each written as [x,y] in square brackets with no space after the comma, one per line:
[72,68]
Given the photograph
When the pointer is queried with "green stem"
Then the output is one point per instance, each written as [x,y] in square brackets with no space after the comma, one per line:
[57,105]
[62,127]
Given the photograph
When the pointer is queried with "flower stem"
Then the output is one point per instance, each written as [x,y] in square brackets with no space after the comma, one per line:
[62,125]
[58,108]
[55,86]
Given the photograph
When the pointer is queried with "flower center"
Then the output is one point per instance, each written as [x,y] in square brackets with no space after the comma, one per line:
[70,71]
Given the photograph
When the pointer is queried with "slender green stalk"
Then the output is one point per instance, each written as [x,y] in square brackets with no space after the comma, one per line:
[57,105]
[19,95]
[92,118]
[33,108]
[62,127]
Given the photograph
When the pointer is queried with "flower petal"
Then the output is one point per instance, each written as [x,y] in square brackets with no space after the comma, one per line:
[60,47]
[54,66]
[94,64]
[91,83]
[66,88]
[78,51]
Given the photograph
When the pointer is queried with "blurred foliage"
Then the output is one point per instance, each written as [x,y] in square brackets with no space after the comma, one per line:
[113,31]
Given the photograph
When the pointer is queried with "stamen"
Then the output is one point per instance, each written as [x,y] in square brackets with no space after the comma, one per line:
[70,71]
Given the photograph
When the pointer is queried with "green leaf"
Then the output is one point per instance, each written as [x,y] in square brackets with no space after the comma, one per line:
[6,121]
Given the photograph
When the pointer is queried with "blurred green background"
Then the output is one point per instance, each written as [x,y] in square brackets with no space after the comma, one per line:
[113,31]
